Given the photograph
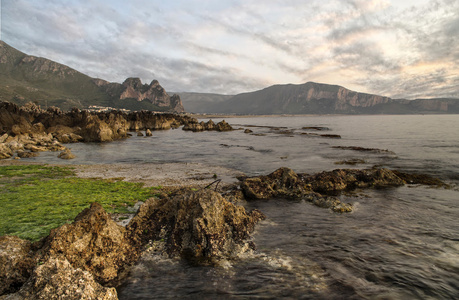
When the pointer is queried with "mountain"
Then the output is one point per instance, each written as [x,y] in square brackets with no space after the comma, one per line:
[25,78]
[201,102]
[319,98]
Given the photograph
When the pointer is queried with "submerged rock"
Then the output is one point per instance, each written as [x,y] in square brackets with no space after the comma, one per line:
[201,226]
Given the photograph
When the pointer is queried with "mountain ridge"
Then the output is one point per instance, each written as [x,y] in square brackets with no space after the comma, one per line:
[321,98]
[25,78]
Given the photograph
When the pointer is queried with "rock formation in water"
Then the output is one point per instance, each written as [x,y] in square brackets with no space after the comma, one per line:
[321,189]
[31,129]
[201,226]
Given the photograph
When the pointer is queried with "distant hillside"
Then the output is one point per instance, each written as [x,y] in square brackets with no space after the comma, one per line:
[318,98]
[25,78]
[201,102]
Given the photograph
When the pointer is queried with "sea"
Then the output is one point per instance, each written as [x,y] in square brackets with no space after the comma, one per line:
[398,243]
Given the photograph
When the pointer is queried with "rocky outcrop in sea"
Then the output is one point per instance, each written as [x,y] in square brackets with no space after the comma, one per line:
[29,129]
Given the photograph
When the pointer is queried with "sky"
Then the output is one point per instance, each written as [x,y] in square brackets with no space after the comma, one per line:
[396,48]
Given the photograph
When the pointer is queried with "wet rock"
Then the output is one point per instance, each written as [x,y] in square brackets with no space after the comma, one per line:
[420,179]
[16,263]
[348,179]
[351,162]
[66,154]
[200,226]
[223,126]
[148,132]
[139,133]
[317,128]
[283,182]
[248,131]
[93,243]
[362,149]
[210,125]
[27,154]
[56,279]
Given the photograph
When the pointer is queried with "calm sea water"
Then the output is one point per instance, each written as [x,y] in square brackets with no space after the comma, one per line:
[399,243]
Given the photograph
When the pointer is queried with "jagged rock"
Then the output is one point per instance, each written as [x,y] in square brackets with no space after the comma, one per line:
[55,278]
[93,243]
[223,126]
[198,225]
[66,154]
[16,263]
[148,132]
[154,93]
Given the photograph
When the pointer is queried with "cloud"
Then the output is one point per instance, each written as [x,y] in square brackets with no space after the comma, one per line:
[385,47]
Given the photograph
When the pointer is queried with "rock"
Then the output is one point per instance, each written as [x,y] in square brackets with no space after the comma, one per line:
[66,154]
[348,179]
[201,226]
[27,154]
[223,126]
[148,132]
[3,138]
[55,278]
[93,243]
[5,151]
[283,182]
[139,133]
[248,131]
[16,263]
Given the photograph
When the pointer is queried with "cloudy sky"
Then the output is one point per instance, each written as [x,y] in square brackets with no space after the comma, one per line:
[396,48]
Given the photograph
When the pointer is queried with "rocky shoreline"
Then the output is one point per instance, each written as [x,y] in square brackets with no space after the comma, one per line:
[199,217]
[25,131]
[89,258]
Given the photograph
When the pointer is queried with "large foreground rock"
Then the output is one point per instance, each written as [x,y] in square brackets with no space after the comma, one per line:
[16,263]
[93,243]
[57,279]
[198,225]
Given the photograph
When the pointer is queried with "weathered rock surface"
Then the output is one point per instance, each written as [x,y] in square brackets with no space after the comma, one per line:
[210,125]
[320,189]
[154,93]
[348,179]
[198,225]
[56,278]
[16,263]
[66,154]
[94,243]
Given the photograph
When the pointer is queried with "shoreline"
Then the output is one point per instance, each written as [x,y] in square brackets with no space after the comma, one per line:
[174,175]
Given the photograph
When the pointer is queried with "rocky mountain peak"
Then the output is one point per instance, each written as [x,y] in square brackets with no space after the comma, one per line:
[154,93]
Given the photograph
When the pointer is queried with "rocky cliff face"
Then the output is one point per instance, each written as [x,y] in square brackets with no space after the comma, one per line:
[154,93]
[24,78]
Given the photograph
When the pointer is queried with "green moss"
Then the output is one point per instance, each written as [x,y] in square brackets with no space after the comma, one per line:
[37,198]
